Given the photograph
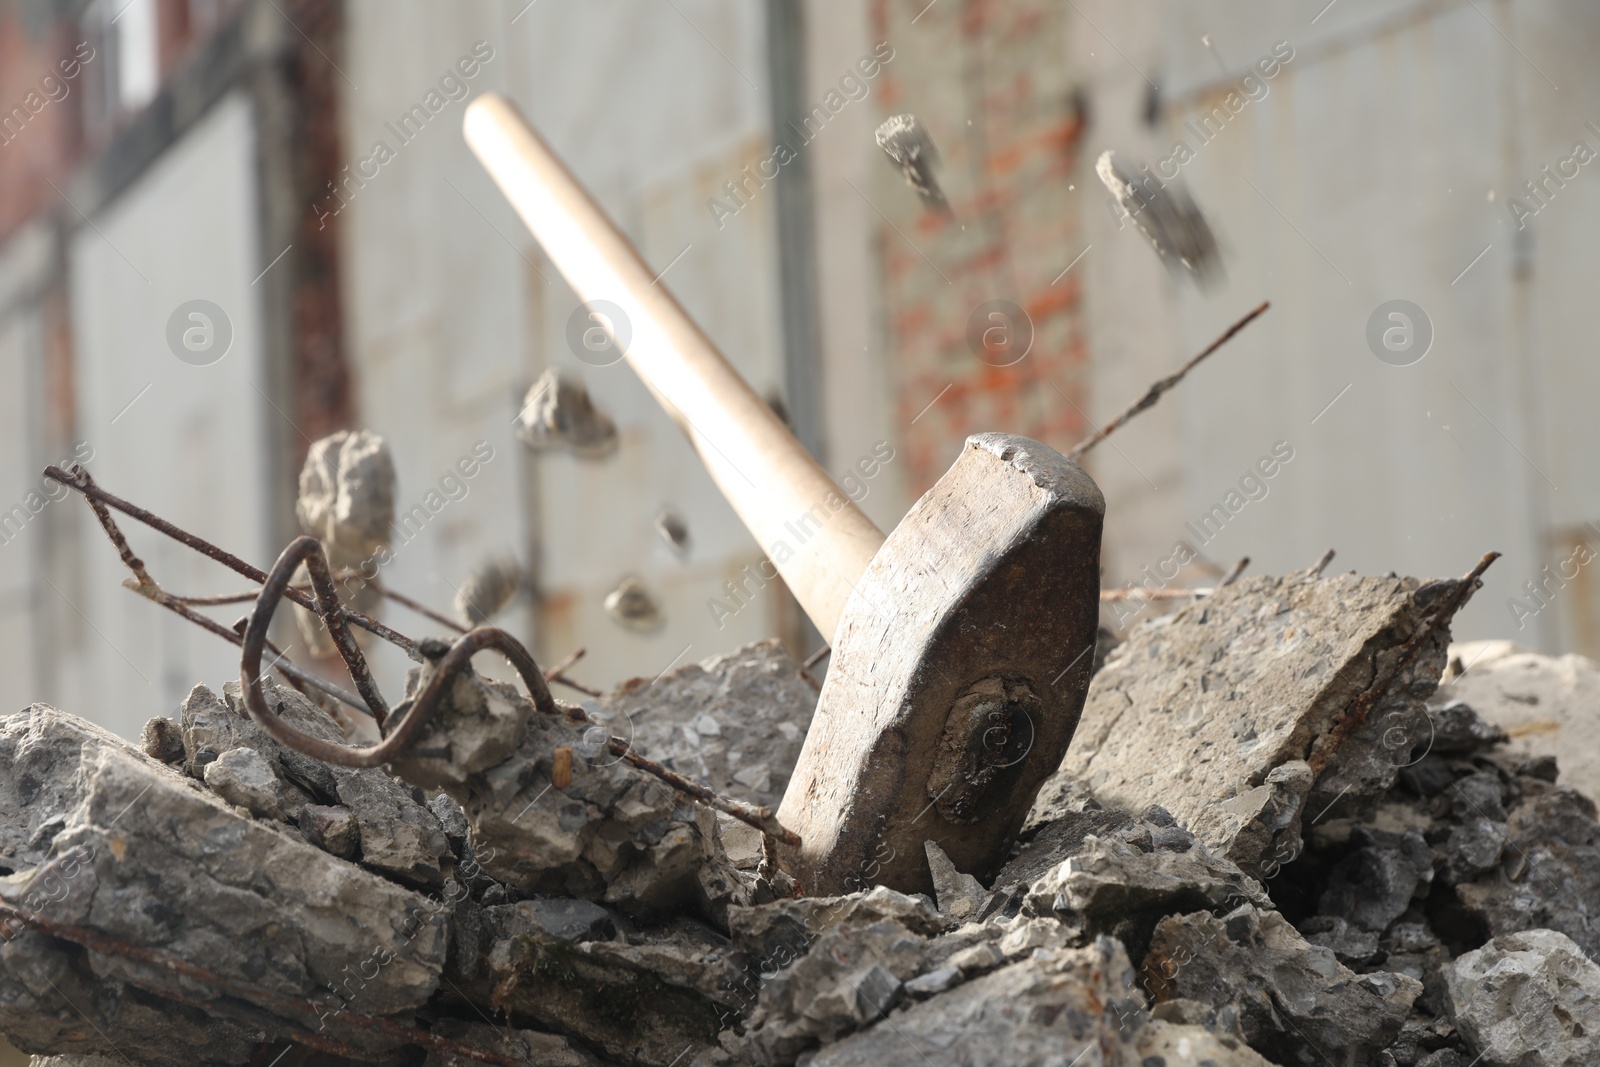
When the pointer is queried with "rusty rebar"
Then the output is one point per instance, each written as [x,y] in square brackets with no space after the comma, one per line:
[558,674]
[1233,575]
[309,551]
[1361,707]
[762,818]
[416,606]
[1154,392]
[147,587]
[275,587]
[78,478]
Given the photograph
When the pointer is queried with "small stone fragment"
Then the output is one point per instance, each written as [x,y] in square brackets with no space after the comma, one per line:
[905,141]
[1111,886]
[1168,217]
[674,530]
[1528,1000]
[850,977]
[634,606]
[634,997]
[1458,730]
[476,725]
[938,981]
[960,895]
[332,829]
[979,959]
[241,776]
[1375,884]
[162,739]
[558,413]
[487,590]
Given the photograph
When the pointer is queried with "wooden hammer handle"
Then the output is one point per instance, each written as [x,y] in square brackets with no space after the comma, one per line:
[817,538]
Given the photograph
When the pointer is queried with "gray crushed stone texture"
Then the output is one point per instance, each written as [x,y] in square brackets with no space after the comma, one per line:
[735,722]
[134,850]
[1528,1000]
[1295,1002]
[1197,710]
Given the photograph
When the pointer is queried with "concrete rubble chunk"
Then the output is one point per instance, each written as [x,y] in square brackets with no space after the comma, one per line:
[138,852]
[478,725]
[634,606]
[162,740]
[400,838]
[243,777]
[1296,1003]
[849,977]
[346,501]
[1378,880]
[748,709]
[1124,883]
[643,997]
[1530,999]
[50,1003]
[346,497]
[773,934]
[332,829]
[1198,709]
[1076,1006]
[1548,874]
[610,832]
[558,413]
[1544,703]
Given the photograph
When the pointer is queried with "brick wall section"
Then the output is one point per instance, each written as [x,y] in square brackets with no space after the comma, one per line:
[1007,174]
[40,137]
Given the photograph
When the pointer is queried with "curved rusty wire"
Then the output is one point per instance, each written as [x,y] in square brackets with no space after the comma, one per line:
[309,551]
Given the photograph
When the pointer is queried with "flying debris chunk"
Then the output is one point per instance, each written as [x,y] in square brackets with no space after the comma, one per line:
[488,589]
[905,141]
[673,530]
[346,501]
[632,605]
[347,495]
[1167,215]
[558,413]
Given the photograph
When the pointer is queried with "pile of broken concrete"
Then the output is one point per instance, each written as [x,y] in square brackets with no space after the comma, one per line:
[1276,838]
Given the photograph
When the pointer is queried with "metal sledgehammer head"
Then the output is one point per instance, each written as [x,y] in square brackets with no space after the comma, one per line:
[958,674]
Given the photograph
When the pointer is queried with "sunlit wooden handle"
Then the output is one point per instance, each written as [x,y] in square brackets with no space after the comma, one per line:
[816,537]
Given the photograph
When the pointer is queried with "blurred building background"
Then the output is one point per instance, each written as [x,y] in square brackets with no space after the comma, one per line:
[227,151]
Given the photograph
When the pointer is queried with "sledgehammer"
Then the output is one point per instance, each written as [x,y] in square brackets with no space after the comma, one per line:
[962,642]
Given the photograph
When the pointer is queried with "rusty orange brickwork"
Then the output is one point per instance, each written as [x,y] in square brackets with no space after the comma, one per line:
[990,80]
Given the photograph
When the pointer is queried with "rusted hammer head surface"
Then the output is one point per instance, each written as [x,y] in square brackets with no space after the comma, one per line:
[958,673]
